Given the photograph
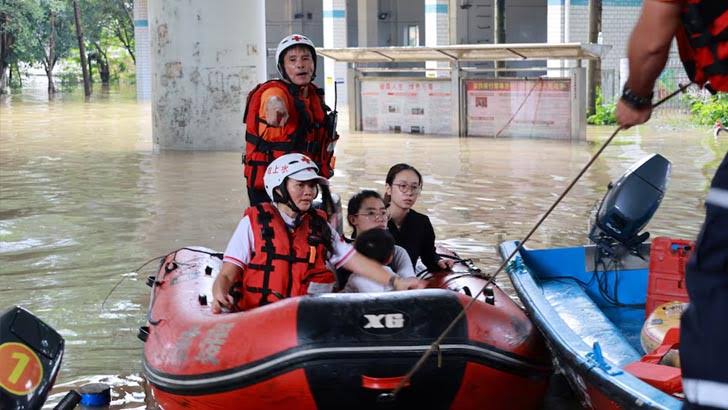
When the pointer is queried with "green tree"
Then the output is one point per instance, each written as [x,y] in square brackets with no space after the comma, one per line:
[17,37]
[107,24]
[53,35]
[122,24]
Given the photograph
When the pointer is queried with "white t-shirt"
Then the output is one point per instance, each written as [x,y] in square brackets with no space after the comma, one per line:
[401,265]
[241,245]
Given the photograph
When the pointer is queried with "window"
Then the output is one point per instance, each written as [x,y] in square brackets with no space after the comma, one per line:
[412,35]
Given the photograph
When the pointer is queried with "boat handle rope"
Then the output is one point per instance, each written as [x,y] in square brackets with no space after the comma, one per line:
[154,283]
[391,396]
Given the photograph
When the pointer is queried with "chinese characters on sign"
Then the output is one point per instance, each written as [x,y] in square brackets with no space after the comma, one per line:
[412,106]
[537,108]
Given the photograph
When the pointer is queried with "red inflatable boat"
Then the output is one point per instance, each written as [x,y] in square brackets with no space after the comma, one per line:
[338,350]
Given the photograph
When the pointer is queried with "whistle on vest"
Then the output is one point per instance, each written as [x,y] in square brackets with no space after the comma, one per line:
[311,255]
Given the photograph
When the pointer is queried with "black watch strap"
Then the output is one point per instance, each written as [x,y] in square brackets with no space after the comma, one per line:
[636,101]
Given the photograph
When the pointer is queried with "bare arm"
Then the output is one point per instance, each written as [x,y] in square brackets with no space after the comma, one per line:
[649,44]
[375,271]
[648,50]
[221,287]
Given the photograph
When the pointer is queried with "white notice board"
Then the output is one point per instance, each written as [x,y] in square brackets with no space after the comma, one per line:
[412,106]
[538,107]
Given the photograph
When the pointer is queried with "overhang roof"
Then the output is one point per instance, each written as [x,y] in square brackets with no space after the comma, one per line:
[468,52]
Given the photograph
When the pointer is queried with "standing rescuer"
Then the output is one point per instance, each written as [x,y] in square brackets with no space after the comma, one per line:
[701,29]
[288,115]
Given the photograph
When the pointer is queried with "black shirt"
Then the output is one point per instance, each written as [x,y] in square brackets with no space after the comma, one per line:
[417,237]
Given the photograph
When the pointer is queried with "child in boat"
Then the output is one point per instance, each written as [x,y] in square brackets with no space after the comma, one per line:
[411,229]
[377,244]
[365,211]
[281,249]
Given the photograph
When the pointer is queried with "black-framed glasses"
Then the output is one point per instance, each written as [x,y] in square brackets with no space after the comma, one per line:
[372,215]
[405,187]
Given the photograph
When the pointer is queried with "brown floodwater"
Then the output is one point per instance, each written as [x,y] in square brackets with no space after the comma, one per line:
[85,200]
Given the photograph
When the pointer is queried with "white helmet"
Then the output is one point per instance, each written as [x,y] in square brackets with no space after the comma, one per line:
[296,166]
[291,41]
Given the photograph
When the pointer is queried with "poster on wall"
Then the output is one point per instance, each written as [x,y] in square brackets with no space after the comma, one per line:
[411,106]
[536,108]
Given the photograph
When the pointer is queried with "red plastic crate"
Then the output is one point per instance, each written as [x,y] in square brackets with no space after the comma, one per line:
[666,280]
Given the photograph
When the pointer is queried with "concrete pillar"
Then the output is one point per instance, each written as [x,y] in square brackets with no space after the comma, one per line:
[141,51]
[437,32]
[555,34]
[368,23]
[334,37]
[206,57]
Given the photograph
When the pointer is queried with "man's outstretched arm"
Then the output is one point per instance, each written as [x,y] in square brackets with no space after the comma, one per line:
[648,50]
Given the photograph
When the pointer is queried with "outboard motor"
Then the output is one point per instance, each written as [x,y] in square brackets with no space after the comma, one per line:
[30,357]
[629,205]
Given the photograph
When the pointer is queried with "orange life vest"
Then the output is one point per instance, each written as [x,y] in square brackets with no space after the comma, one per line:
[306,132]
[703,43]
[284,263]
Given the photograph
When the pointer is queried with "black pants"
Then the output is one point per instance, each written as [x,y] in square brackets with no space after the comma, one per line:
[704,325]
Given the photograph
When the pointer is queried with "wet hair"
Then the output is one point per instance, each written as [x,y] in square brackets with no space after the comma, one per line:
[376,243]
[393,172]
[320,231]
[355,202]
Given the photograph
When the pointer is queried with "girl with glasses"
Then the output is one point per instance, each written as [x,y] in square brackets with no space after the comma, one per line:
[411,229]
[366,211]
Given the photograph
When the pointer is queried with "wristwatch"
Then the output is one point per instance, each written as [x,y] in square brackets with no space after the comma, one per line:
[635,101]
[392,279]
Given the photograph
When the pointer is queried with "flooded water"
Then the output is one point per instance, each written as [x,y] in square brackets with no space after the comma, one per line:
[85,200]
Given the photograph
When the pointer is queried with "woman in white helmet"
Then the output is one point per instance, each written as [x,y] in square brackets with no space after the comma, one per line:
[287,115]
[281,249]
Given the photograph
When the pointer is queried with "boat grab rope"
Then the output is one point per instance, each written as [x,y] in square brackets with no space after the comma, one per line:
[391,396]
[136,271]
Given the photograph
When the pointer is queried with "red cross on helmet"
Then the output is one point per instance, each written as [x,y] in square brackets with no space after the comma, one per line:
[296,166]
[291,41]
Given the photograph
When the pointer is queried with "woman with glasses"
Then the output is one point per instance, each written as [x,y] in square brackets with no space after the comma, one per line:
[411,229]
[366,210]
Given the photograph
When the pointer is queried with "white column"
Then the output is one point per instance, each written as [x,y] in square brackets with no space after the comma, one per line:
[334,37]
[206,57]
[368,23]
[555,34]
[437,32]
[141,51]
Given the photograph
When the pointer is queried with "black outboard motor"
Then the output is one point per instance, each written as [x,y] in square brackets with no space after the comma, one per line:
[30,358]
[629,205]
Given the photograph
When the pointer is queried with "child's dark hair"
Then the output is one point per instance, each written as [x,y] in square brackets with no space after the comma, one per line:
[396,169]
[355,202]
[376,243]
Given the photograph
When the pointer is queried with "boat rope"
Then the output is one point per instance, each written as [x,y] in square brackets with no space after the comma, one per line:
[136,271]
[434,346]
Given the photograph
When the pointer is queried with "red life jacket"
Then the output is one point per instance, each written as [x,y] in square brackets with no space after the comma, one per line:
[703,43]
[306,133]
[284,263]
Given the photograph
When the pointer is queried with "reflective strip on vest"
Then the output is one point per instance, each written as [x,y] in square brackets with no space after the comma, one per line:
[706,392]
[717,197]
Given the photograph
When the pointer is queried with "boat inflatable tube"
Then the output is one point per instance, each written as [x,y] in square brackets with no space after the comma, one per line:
[340,350]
